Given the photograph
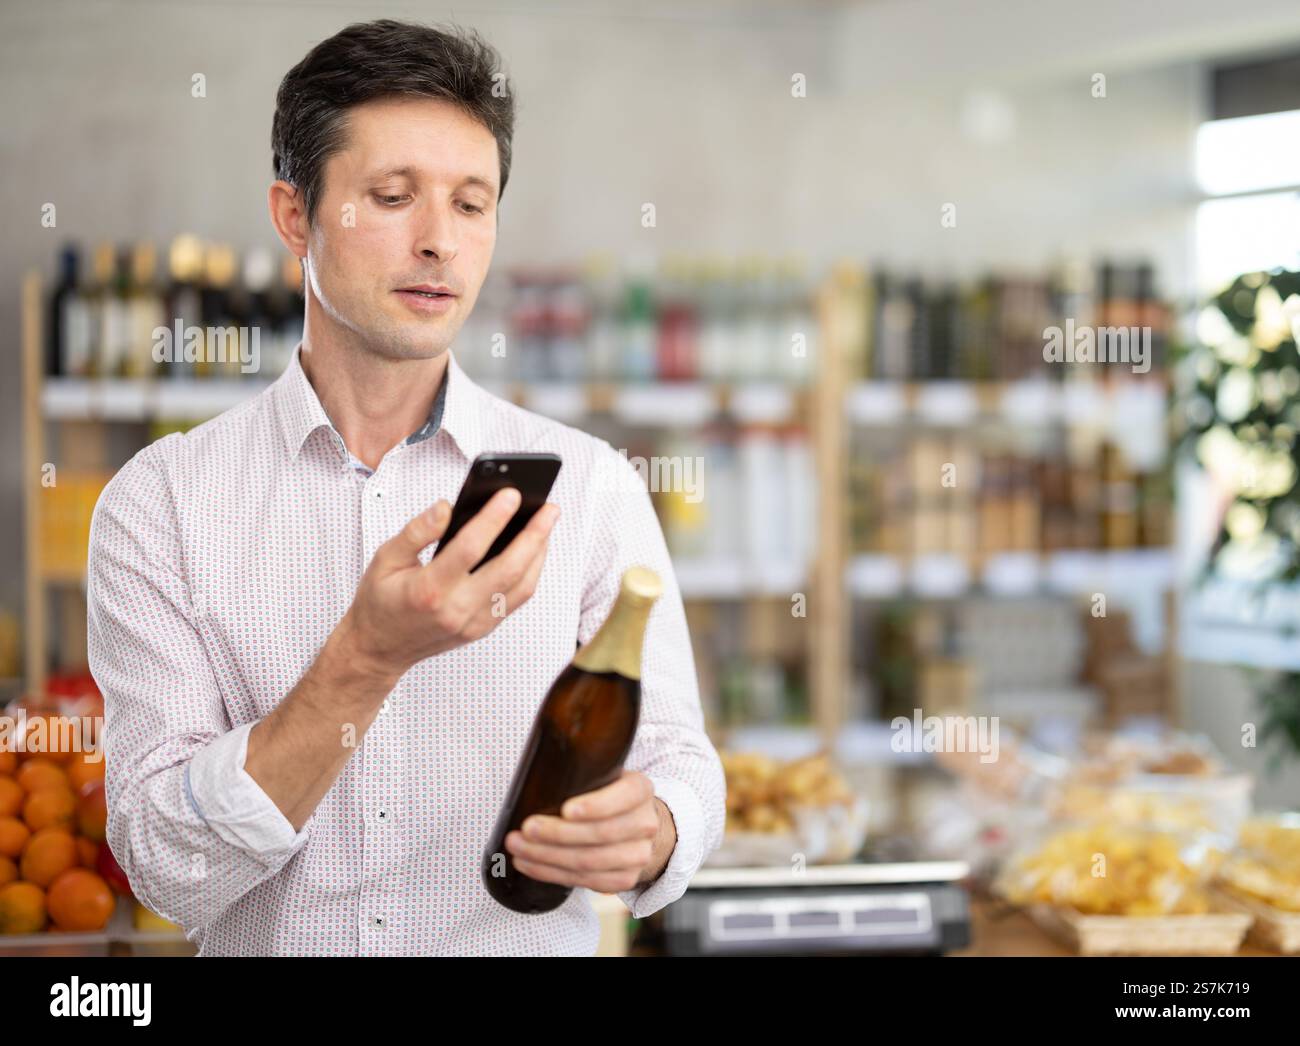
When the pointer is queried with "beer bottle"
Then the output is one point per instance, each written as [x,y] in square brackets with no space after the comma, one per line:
[581,735]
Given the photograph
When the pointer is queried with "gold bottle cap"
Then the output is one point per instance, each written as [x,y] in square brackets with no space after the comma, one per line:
[105,263]
[219,265]
[144,264]
[641,585]
[186,258]
[616,646]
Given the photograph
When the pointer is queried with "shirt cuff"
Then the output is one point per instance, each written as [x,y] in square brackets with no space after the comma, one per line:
[233,805]
[684,805]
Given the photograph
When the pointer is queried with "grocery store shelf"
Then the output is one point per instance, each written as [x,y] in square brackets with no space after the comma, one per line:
[687,404]
[643,404]
[762,403]
[1072,573]
[708,578]
[76,399]
[941,403]
[1037,402]
[949,403]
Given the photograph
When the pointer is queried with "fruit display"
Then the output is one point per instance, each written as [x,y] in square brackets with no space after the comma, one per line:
[1101,869]
[779,812]
[53,853]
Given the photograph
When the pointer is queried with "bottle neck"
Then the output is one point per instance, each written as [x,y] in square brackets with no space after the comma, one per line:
[617,646]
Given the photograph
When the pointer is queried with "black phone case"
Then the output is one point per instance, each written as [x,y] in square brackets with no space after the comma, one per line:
[531,474]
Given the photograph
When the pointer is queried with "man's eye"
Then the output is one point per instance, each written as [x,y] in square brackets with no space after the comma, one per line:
[389,200]
[472,208]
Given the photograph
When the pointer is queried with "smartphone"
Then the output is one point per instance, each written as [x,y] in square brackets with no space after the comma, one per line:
[531,474]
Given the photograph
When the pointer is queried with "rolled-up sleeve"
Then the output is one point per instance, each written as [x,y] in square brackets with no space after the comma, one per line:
[671,746]
[191,829]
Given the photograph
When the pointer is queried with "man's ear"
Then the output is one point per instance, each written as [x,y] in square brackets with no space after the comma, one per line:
[288,216]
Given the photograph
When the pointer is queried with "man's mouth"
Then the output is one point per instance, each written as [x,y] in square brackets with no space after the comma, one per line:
[425,291]
[426,299]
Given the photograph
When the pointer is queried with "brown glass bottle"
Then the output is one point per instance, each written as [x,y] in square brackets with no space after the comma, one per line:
[579,740]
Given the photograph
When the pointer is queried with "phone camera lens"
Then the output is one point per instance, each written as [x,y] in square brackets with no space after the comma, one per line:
[503,467]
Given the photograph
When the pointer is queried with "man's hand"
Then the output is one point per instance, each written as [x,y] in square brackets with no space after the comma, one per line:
[404,612]
[615,838]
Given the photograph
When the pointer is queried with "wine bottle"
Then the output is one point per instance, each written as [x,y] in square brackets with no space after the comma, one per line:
[184,309]
[145,310]
[101,301]
[581,735]
[222,357]
[71,337]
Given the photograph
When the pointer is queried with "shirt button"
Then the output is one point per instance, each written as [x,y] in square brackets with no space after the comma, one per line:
[377,921]
[383,816]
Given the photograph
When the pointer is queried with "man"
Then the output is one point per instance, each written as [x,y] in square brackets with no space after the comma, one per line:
[311,723]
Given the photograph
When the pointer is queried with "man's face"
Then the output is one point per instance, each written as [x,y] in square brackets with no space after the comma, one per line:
[409,201]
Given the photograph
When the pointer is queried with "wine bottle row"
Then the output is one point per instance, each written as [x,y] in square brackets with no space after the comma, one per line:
[208,314]
[1001,328]
[940,495]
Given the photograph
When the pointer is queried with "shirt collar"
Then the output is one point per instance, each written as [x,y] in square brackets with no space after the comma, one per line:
[457,408]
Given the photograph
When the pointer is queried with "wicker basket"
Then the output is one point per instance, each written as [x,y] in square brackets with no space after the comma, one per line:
[1216,933]
[1273,929]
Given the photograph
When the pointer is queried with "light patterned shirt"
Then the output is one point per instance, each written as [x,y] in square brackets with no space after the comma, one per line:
[221,559]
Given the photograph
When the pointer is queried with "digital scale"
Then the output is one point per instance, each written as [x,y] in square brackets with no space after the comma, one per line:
[917,907]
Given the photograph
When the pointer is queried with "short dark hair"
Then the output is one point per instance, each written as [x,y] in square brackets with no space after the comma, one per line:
[380,59]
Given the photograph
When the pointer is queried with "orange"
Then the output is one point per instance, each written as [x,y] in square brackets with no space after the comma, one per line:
[48,854]
[22,908]
[50,808]
[79,900]
[8,762]
[87,852]
[81,771]
[13,836]
[8,870]
[92,811]
[11,797]
[39,772]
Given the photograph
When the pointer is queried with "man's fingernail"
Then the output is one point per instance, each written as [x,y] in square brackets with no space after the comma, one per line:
[575,810]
